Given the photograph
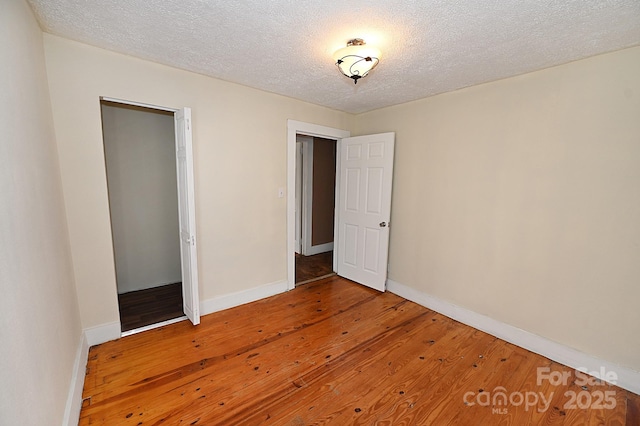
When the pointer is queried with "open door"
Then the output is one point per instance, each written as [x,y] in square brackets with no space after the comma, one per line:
[364,208]
[186,215]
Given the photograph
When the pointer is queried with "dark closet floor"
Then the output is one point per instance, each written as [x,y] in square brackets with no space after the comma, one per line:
[312,267]
[145,307]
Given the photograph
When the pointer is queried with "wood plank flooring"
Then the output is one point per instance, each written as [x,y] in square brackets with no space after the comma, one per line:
[150,306]
[334,352]
[311,267]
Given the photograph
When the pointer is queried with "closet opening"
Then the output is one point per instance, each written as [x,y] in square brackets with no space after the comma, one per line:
[140,157]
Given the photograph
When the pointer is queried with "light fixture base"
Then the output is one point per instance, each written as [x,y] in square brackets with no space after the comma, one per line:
[356,42]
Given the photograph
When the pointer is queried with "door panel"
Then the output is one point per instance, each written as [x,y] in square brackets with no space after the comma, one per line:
[186,214]
[366,173]
[350,245]
[352,198]
[374,190]
[372,249]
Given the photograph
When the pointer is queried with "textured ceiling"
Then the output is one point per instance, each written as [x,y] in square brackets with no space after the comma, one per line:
[286,46]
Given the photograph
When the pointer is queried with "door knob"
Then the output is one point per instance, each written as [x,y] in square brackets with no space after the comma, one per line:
[383,224]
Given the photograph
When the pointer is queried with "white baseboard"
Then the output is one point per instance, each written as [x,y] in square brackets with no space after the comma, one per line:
[74,399]
[320,248]
[90,337]
[241,297]
[627,378]
[102,333]
[111,331]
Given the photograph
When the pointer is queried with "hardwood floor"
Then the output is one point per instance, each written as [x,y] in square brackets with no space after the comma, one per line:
[333,352]
[150,306]
[312,267]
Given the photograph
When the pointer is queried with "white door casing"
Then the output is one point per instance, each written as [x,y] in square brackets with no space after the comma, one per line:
[295,128]
[308,164]
[364,208]
[186,214]
[306,193]
[298,205]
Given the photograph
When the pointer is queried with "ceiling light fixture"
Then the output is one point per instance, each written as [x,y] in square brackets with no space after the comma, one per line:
[356,60]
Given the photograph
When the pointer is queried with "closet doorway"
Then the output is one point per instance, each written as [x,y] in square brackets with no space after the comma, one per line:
[315,208]
[145,202]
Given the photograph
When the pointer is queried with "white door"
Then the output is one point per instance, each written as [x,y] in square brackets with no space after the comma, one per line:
[186,214]
[364,208]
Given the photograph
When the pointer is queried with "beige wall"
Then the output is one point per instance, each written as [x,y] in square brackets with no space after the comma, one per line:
[239,138]
[38,305]
[139,146]
[520,200]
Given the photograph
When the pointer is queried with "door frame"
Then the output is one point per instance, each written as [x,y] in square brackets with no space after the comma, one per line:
[298,198]
[304,172]
[307,129]
[174,111]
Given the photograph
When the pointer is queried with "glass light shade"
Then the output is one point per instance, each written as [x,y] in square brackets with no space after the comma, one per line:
[355,61]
